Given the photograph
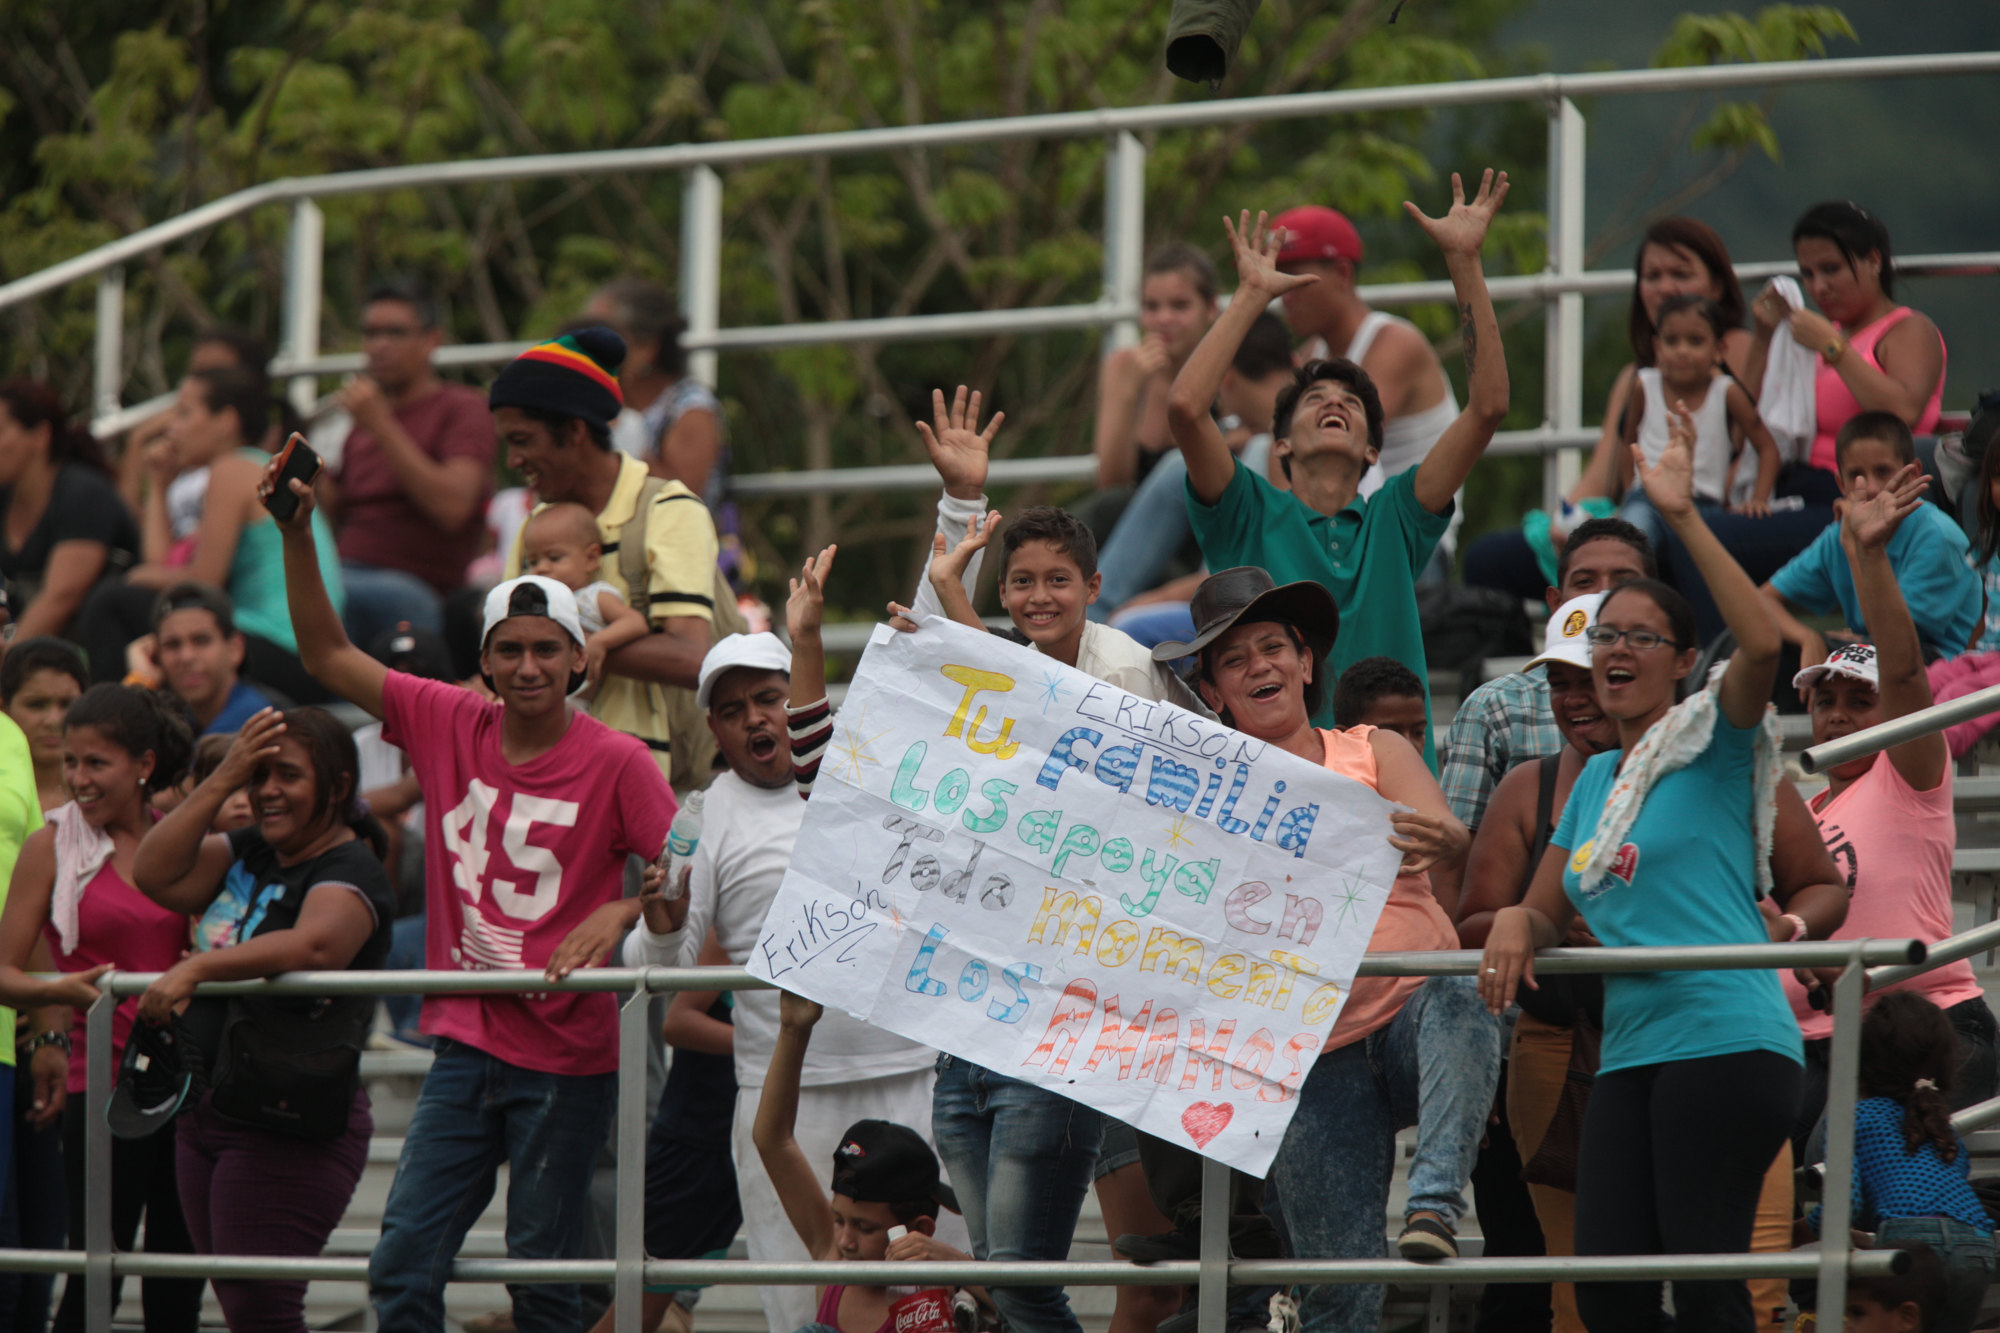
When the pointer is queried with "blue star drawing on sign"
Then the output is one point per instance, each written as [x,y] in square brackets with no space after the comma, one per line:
[1348,897]
[1053,690]
[850,747]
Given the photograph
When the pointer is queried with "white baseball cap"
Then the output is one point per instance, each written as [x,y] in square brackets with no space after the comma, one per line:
[1853,660]
[1563,641]
[532,595]
[762,652]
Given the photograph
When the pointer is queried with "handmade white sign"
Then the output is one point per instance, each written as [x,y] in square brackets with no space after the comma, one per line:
[1113,899]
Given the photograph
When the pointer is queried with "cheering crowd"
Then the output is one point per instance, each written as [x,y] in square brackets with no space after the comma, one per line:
[584,752]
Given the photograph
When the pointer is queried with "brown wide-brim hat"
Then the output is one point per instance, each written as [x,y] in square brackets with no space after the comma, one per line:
[1247,593]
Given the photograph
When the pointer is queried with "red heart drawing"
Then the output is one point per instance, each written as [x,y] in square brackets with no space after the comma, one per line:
[1204,1120]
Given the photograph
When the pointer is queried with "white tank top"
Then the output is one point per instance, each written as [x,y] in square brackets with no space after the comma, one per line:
[1712,450]
[1405,440]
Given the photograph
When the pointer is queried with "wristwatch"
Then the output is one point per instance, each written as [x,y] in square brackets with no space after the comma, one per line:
[41,1039]
[1836,346]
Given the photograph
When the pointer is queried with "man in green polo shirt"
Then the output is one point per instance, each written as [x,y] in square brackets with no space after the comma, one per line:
[1367,552]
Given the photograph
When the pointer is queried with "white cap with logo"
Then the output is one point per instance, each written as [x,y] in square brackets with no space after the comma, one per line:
[1856,661]
[1563,641]
[761,652]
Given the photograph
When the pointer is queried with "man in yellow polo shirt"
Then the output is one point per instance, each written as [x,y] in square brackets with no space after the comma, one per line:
[553,407]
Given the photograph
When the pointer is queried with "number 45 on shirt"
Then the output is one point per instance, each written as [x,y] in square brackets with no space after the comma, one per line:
[465,838]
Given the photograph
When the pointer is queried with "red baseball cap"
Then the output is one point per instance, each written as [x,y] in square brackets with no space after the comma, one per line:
[1314,234]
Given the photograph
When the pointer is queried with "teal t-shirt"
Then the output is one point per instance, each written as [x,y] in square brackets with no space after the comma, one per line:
[1684,876]
[257,576]
[1368,556]
[1928,553]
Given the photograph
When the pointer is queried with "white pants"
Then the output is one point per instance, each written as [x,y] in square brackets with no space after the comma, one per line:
[824,1115]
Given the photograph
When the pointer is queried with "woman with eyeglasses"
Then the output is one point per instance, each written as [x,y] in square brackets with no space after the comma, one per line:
[1665,842]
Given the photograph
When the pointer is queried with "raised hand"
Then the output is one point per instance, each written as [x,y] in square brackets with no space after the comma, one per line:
[301,518]
[1669,483]
[796,1013]
[959,450]
[1463,230]
[806,607]
[1868,525]
[948,567]
[256,742]
[1256,251]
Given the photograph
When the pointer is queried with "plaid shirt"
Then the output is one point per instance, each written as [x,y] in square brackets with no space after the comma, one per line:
[1506,721]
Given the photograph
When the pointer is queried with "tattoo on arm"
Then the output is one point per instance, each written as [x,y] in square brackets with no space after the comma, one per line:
[1469,334]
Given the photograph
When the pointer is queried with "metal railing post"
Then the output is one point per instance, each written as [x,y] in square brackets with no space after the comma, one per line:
[1836,1198]
[1562,353]
[701,267]
[1212,1303]
[97,1242]
[305,253]
[1124,234]
[630,1246]
[108,373]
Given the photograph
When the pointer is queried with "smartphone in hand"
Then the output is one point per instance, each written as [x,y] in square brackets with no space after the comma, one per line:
[296,459]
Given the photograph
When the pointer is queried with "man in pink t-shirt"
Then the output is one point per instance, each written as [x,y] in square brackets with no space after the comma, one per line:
[408,495]
[531,811]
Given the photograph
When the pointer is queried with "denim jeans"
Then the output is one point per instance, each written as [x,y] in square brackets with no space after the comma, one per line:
[1153,527]
[1434,1066]
[1967,1253]
[378,598]
[1020,1160]
[476,1112]
[406,954]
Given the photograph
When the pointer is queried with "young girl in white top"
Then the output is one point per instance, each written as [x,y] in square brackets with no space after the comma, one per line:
[1687,368]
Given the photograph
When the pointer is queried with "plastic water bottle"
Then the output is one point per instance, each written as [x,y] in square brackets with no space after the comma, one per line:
[683,836]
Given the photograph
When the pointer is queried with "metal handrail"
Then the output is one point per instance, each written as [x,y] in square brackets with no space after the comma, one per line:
[99,1263]
[1550,88]
[1883,735]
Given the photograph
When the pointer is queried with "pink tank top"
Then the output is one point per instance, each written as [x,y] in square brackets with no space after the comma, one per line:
[829,1311]
[116,923]
[1835,402]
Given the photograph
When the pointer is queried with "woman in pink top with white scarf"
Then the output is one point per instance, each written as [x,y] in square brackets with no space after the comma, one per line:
[1887,817]
[1874,355]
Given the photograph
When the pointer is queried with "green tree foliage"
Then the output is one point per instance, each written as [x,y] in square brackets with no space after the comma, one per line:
[107,127]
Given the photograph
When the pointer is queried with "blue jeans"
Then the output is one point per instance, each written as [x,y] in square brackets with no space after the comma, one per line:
[1967,1253]
[1153,527]
[1434,1066]
[378,598]
[476,1112]
[1021,1160]
[406,954]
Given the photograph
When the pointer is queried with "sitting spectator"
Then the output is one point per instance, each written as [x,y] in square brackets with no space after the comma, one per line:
[1665,1166]
[1394,1035]
[561,542]
[1381,692]
[198,651]
[670,422]
[1887,817]
[1926,554]
[750,819]
[885,1180]
[1154,528]
[149,445]
[1677,256]
[236,547]
[1176,306]
[1910,1167]
[1366,552]
[39,679]
[314,897]
[55,486]
[72,889]
[1335,323]
[408,489]
[529,1079]
[553,407]
[1905,1302]
[1687,355]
